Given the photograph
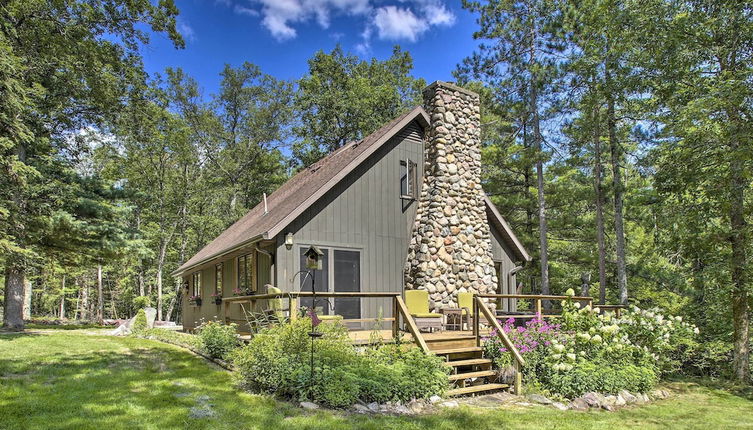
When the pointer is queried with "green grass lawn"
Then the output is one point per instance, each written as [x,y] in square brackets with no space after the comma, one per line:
[74,380]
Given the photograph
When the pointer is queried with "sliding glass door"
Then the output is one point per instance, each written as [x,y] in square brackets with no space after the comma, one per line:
[341,272]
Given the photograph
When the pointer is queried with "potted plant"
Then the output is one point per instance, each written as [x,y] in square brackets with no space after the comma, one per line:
[196,300]
[237,292]
[217,297]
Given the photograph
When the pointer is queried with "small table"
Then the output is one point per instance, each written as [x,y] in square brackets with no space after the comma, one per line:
[453,318]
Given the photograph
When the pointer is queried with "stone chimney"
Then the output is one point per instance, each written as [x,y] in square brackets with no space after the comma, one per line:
[451,250]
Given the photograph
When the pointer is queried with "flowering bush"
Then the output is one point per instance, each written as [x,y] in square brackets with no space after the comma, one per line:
[670,340]
[591,351]
[531,341]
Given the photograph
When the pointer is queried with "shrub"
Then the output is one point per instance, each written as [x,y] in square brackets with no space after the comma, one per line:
[531,341]
[217,340]
[139,324]
[277,360]
[588,376]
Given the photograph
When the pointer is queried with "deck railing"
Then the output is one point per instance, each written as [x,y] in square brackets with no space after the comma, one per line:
[538,309]
[479,307]
[399,309]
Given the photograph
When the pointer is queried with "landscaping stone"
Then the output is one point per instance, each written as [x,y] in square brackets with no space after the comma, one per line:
[628,396]
[610,400]
[402,410]
[373,406]
[538,398]
[578,405]
[449,404]
[416,406]
[361,409]
[620,401]
[434,399]
[309,405]
[560,406]
[594,400]
[199,412]
[607,407]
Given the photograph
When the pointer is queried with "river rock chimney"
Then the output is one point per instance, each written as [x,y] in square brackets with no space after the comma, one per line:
[451,250]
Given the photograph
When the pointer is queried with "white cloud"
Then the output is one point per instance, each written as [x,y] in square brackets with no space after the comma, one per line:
[186,30]
[437,14]
[394,23]
[407,22]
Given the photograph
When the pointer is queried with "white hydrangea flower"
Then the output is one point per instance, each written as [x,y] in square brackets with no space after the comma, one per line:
[571,357]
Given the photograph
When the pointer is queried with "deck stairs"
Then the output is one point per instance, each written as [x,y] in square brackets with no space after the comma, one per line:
[471,373]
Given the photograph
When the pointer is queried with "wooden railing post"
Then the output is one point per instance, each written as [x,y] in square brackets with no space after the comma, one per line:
[395,318]
[518,378]
[226,312]
[537,308]
[411,325]
[476,322]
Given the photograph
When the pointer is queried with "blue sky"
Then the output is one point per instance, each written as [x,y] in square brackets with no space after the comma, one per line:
[281,35]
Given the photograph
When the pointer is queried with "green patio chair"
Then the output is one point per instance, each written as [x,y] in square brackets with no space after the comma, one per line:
[417,302]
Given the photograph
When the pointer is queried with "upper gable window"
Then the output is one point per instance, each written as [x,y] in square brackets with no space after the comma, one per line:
[408,180]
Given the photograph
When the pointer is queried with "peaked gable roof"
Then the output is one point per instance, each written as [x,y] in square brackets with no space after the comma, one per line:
[307,186]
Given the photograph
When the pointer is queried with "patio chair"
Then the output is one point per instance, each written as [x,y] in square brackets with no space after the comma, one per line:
[274,306]
[417,302]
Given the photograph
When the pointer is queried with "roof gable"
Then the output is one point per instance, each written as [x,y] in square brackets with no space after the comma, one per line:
[300,192]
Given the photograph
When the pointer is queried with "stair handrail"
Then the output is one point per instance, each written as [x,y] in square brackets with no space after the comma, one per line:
[518,361]
[412,327]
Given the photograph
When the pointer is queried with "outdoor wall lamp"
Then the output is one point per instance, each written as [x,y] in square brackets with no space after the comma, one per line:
[289,241]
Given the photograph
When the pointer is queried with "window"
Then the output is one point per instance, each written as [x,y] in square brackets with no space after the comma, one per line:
[196,281]
[218,279]
[341,273]
[246,281]
[408,180]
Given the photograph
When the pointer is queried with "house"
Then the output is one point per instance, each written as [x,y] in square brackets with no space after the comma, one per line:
[401,208]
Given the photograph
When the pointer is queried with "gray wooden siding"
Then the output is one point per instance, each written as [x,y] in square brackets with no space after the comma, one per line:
[363,212]
[503,256]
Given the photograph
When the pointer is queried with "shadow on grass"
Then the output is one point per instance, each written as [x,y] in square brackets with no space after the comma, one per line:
[716,387]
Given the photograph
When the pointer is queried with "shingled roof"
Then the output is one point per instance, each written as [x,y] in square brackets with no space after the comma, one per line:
[307,186]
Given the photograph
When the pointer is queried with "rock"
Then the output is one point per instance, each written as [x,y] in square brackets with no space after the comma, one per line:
[609,408]
[402,410]
[620,401]
[560,406]
[645,398]
[361,409]
[308,406]
[610,400]
[122,330]
[449,404]
[151,315]
[199,412]
[416,406]
[434,399]
[578,404]
[594,400]
[538,398]
[373,406]
[629,397]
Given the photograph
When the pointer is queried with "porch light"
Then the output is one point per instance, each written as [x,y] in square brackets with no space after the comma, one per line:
[289,241]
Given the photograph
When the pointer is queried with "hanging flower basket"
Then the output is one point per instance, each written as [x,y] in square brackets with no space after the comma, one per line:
[196,300]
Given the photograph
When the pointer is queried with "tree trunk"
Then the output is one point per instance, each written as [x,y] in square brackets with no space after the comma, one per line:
[616,153]
[100,296]
[61,311]
[739,243]
[15,277]
[85,301]
[599,210]
[543,243]
[27,299]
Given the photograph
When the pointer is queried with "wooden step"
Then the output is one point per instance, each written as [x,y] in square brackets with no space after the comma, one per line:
[469,362]
[476,389]
[451,342]
[477,374]
[463,350]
